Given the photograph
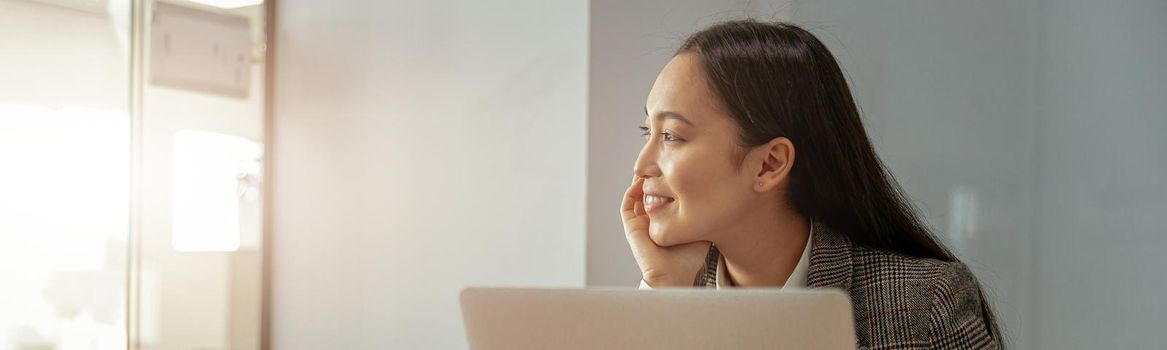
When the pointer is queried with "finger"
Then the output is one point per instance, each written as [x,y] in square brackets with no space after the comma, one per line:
[632,209]
[631,197]
[640,240]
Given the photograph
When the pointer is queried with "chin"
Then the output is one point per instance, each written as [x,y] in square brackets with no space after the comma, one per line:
[662,237]
[658,237]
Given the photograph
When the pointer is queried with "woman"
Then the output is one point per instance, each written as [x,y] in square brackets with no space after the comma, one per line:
[757,172]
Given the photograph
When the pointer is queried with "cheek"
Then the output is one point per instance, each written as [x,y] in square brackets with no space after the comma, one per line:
[705,188]
[691,180]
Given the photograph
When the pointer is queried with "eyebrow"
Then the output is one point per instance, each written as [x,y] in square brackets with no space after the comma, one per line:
[670,115]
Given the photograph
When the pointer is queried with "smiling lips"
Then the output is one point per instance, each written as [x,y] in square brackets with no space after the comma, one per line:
[653,202]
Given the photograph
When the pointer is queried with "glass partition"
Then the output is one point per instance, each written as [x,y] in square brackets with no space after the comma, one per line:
[131,144]
[65,179]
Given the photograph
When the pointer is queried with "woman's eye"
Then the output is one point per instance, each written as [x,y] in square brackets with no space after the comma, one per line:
[667,136]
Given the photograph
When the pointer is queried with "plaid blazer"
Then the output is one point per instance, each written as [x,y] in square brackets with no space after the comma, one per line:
[899,301]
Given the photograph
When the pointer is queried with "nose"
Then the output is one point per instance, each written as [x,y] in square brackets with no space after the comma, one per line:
[646,163]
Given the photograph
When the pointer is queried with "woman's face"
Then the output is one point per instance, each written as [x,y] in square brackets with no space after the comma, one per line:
[694,187]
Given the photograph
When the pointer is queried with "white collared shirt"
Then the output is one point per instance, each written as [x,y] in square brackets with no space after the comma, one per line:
[797,277]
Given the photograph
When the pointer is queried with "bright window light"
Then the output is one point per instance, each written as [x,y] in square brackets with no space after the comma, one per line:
[228,4]
[64,221]
[212,173]
[64,190]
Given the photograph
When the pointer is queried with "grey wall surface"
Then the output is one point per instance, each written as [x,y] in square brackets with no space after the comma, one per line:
[1030,134]
[1099,271]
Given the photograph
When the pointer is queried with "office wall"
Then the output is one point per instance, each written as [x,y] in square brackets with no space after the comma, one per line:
[947,90]
[630,42]
[1098,247]
[419,147]
[1029,133]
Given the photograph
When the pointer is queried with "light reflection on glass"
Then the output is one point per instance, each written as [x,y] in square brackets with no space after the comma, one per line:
[212,173]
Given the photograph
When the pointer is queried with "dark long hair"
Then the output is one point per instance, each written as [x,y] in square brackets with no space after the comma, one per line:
[778,80]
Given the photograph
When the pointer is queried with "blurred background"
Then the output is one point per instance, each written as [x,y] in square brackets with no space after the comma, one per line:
[239,174]
[131,144]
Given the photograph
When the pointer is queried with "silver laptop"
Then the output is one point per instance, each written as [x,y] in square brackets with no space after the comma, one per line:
[681,318]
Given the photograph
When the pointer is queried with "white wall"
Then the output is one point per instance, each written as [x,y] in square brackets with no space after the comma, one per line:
[422,146]
[630,42]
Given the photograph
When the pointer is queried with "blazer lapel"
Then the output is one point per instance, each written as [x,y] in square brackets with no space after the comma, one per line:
[830,260]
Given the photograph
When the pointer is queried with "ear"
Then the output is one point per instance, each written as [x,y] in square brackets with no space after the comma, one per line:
[777,157]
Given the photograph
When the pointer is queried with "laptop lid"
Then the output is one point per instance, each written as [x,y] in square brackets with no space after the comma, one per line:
[668,318]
